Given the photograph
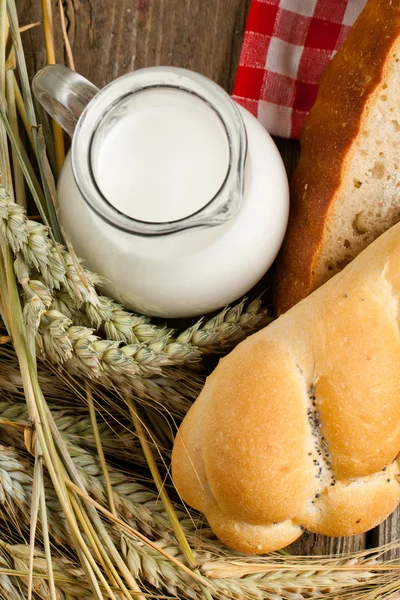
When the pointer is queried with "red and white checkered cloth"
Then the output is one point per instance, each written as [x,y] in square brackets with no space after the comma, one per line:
[286,46]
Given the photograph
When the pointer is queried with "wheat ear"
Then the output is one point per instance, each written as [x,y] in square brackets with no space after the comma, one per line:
[174,392]
[15,497]
[151,567]
[329,584]
[117,440]
[140,366]
[16,494]
[135,503]
[37,253]
[8,584]
[70,580]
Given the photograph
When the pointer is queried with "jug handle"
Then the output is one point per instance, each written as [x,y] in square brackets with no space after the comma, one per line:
[63,93]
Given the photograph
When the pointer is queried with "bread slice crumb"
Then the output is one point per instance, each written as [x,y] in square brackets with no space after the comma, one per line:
[367,202]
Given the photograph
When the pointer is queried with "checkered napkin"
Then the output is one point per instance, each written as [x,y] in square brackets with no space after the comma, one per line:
[286,46]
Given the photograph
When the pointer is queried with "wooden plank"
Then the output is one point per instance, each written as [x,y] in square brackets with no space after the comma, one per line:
[290,152]
[313,544]
[112,37]
[389,531]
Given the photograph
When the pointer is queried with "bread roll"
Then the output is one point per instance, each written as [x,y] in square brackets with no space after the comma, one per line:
[299,426]
[345,190]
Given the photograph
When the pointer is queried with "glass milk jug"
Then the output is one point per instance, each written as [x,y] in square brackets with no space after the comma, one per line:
[171,192]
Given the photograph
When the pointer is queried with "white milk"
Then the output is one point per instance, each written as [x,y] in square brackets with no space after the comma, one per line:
[163,157]
[174,195]
[194,271]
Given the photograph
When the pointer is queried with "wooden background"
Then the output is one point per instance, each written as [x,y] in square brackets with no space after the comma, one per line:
[111,37]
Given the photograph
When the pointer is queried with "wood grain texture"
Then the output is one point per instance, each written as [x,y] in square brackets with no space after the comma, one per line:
[311,543]
[389,531]
[111,37]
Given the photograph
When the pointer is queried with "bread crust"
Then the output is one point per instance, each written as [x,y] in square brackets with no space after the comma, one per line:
[329,132]
[299,426]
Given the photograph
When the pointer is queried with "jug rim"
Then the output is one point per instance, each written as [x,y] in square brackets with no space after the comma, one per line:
[226,202]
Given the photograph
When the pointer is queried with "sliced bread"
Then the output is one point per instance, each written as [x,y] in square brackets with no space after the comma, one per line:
[345,191]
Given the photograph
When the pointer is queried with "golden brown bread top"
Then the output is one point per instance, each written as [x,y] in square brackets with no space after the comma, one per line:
[331,127]
[299,426]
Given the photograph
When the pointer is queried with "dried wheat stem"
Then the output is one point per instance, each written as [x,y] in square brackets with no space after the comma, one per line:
[16,493]
[282,585]
[85,354]
[67,44]
[15,496]
[76,428]
[137,506]
[140,358]
[8,588]
[131,368]
[149,566]
[51,60]
[56,267]
[173,392]
[135,503]
[70,580]
[131,503]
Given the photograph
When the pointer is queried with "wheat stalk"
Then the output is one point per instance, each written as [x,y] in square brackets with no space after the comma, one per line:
[174,393]
[69,578]
[165,577]
[54,268]
[16,494]
[118,441]
[135,503]
[285,584]
[8,589]
[338,578]
[148,365]
[138,506]
[37,253]
[147,370]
